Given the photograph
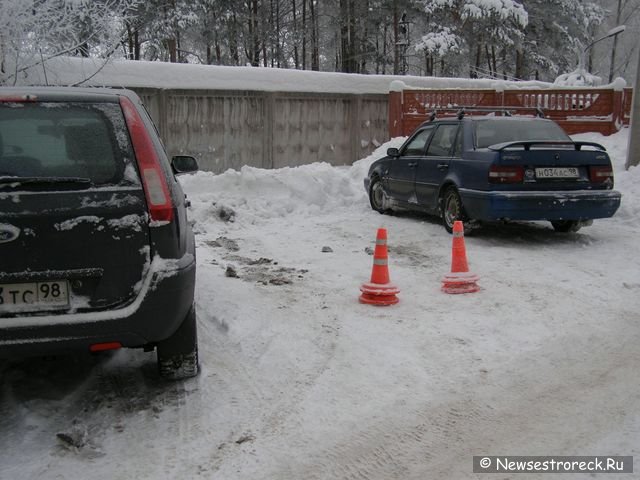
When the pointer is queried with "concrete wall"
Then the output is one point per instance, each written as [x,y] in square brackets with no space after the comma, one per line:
[229,129]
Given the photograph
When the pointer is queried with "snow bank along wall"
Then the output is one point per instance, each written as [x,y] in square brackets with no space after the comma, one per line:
[577,110]
[228,129]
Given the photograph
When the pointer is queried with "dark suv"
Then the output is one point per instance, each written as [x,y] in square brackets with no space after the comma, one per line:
[95,249]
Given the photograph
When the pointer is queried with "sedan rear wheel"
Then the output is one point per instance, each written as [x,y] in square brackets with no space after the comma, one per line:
[565,226]
[451,208]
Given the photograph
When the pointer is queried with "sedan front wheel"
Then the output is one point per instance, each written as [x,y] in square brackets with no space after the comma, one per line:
[377,196]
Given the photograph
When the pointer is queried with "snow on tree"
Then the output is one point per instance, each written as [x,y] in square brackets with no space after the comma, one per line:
[486,28]
[164,22]
[439,42]
[522,39]
[503,10]
[33,31]
[557,33]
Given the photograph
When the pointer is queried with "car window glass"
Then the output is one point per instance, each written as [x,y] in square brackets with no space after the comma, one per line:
[443,140]
[417,143]
[457,149]
[60,140]
[494,131]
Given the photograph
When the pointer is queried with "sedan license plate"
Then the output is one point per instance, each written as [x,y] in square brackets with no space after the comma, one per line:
[556,172]
[37,295]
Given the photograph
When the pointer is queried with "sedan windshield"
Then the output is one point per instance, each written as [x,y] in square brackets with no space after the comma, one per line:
[495,130]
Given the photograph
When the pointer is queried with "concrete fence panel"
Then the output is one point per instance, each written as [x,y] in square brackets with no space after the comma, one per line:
[311,130]
[230,129]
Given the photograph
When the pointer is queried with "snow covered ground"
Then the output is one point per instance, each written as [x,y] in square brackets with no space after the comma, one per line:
[300,381]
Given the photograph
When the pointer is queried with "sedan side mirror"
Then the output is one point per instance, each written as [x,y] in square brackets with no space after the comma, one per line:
[393,152]
[184,164]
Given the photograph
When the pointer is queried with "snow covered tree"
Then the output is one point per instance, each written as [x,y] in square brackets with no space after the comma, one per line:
[439,44]
[160,26]
[33,31]
[525,39]
[558,30]
[487,29]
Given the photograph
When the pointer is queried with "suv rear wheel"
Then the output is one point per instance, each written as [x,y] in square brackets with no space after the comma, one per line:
[178,354]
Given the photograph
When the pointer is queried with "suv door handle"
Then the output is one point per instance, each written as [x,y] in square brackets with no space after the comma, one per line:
[443,166]
[412,164]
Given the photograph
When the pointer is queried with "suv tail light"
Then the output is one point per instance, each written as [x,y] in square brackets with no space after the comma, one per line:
[154,181]
[600,174]
[103,347]
[502,174]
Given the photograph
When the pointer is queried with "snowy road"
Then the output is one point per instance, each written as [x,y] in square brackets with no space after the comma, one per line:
[301,381]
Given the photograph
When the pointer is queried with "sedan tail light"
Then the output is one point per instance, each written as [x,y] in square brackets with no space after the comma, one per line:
[504,174]
[600,174]
[153,179]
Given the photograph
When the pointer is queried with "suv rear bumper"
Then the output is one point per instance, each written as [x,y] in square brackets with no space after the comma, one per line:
[162,304]
[560,205]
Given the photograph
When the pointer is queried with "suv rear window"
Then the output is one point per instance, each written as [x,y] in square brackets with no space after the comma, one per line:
[490,132]
[61,140]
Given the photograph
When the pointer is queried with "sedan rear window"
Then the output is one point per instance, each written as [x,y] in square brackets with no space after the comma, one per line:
[493,131]
[60,140]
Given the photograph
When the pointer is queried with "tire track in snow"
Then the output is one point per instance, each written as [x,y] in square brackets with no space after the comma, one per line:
[391,448]
[531,407]
[243,367]
[325,338]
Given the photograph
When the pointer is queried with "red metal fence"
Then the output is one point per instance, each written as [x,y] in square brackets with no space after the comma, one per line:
[579,110]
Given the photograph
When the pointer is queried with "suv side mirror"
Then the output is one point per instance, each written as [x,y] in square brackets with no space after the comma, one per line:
[184,164]
[393,152]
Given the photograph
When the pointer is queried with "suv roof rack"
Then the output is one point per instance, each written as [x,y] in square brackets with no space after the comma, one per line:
[507,111]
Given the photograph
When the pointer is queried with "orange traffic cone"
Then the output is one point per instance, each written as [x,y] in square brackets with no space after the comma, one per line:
[380,291]
[459,280]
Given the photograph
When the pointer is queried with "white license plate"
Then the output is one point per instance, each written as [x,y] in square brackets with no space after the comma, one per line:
[36,294]
[556,172]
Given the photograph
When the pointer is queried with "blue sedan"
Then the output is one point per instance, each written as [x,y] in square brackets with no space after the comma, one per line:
[488,168]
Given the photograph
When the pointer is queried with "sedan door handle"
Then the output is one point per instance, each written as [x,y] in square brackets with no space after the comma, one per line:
[443,166]
[412,164]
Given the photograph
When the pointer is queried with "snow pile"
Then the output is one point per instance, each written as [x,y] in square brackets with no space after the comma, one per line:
[578,78]
[626,181]
[262,194]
